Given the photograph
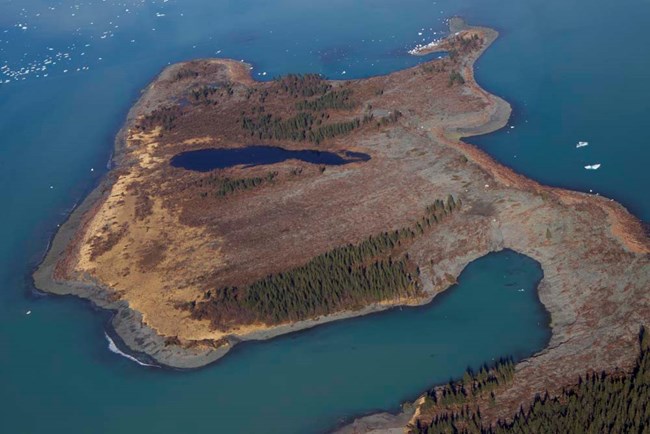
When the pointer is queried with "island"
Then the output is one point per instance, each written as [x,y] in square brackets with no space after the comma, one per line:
[241,210]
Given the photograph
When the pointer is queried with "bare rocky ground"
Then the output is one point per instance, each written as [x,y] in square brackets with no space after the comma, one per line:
[594,254]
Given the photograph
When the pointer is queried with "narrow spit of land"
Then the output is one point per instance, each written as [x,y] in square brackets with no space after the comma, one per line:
[193,262]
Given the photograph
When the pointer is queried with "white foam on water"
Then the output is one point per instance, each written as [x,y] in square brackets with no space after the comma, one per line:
[113,348]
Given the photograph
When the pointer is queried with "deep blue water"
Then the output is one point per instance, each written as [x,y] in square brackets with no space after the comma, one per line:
[573,71]
[205,160]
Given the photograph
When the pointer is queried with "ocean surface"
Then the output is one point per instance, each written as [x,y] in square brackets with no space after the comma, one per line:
[69,71]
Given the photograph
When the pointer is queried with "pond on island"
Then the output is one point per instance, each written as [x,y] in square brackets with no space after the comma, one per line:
[204,160]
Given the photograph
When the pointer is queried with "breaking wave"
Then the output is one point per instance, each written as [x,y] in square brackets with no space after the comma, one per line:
[116,350]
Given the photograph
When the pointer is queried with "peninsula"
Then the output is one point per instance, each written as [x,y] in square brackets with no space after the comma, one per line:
[242,210]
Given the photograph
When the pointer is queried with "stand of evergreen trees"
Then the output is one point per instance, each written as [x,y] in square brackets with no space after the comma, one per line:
[297,128]
[224,186]
[343,278]
[455,77]
[336,99]
[346,277]
[270,127]
[332,130]
[472,385]
[164,117]
[600,403]
[184,73]
[202,94]
[305,85]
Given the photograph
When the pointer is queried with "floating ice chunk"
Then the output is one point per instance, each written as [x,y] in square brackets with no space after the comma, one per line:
[592,166]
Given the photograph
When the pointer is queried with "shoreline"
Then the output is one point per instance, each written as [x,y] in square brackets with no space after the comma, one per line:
[139,338]
[626,227]
[127,323]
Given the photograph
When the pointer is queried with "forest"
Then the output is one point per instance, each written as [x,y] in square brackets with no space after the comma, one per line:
[164,117]
[599,403]
[336,99]
[297,128]
[455,77]
[347,277]
[305,85]
[473,385]
[220,186]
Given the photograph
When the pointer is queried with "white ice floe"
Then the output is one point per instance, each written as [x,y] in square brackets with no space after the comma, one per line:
[592,166]
[582,144]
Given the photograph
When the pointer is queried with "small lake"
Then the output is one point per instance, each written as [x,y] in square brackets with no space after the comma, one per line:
[205,160]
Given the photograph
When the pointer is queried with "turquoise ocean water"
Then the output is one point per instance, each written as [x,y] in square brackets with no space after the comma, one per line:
[70,70]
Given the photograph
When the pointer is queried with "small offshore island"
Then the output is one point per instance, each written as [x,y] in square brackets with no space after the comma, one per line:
[336,199]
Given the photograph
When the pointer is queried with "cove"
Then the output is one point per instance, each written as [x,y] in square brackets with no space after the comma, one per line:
[205,160]
[307,382]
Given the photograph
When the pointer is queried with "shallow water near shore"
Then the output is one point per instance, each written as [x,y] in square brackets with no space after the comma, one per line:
[304,382]
[569,78]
